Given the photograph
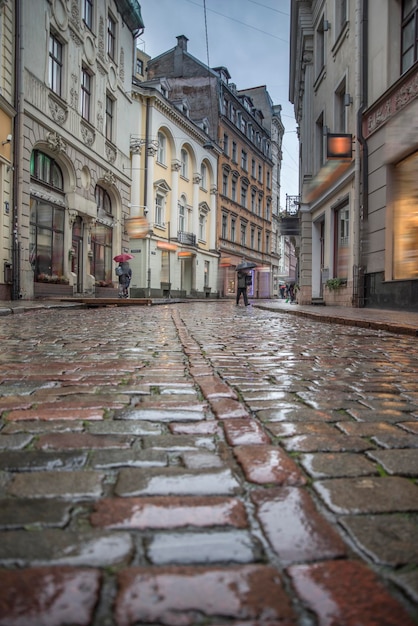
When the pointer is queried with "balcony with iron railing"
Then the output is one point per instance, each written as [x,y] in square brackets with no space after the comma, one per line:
[289,218]
[187,239]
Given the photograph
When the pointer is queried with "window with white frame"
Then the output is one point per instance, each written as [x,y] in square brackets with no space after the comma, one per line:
[202,227]
[244,193]
[342,234]
[225,183]
[340,108]
[110,115]
[87,13]
[234,189]
[159,209]
[203,176]
[85,93]
[184,163]
[111,37]
[226,144]
[320,46]
[55,64]
[182,214]
[341,15]
[244,160]
[243,234]
[233,228]
[161,152]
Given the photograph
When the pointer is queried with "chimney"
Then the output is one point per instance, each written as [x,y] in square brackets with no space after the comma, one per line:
[182,42]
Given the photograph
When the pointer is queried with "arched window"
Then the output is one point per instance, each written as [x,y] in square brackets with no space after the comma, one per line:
[102,237]
[46,240]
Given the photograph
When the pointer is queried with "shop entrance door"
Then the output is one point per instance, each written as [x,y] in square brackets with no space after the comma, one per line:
[77,259]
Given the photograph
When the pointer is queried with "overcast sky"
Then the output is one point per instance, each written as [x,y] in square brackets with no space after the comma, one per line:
[248,37]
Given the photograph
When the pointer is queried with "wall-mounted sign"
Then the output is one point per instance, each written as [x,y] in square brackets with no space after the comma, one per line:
[339,146]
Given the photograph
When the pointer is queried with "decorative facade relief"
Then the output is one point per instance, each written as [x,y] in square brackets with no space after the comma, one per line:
[110,154]
[101,42]
[109,178]
[100,118]
[87,135]
[122,65]
[58,113]
[136,145]
[74,92]
[56,142]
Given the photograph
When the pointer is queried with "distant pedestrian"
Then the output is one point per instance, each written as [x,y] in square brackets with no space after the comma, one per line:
[124,274]
[244,280]
[282,291]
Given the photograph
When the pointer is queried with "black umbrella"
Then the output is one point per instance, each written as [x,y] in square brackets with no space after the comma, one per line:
[245,265]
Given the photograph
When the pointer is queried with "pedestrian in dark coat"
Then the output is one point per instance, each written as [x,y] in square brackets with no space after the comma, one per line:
[242,287]
[124,273]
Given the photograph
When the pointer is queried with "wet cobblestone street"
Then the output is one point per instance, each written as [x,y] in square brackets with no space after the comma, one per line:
[203,463]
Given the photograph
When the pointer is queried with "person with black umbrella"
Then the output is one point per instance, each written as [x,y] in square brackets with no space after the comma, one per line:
[244,280]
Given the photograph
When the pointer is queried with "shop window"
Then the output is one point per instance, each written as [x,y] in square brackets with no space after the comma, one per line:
[47,241]
[101,245]
[405,220]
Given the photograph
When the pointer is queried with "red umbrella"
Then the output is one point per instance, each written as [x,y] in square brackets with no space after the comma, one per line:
[122,258]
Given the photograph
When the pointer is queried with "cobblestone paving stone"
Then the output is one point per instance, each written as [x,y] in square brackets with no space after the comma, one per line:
[209,464]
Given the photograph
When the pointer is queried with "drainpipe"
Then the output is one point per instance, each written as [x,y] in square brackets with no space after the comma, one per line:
[18,150]
[363,14]
[147,125]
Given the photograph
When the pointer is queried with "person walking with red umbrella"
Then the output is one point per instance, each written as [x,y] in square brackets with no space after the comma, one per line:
[124,274]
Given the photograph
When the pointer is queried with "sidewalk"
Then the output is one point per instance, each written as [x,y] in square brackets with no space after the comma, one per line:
[399,322]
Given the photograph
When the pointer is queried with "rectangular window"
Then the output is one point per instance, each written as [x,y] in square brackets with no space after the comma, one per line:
[233,229]
[244,190]
[85,94]
[224,227]
[409,34]
[87,15]
[244,164]
[340,108]
[206,274]
[234,190]
[226,144]
[159,210]
[184,163]
[252,240]
[202,227]
[243,235]
[203,173]
[110,105]
[111,37]
[260,174]
[55,65]
[140,67]
[342,224]
[161,148]
[253,168]
[341,15]
[320,47]
[234,151]
[225,184]
[253,198]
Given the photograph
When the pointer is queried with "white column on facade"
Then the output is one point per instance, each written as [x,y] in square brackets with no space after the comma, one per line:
[195,216]
[136,147]
[212,231]
[174,217]
[151,152]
